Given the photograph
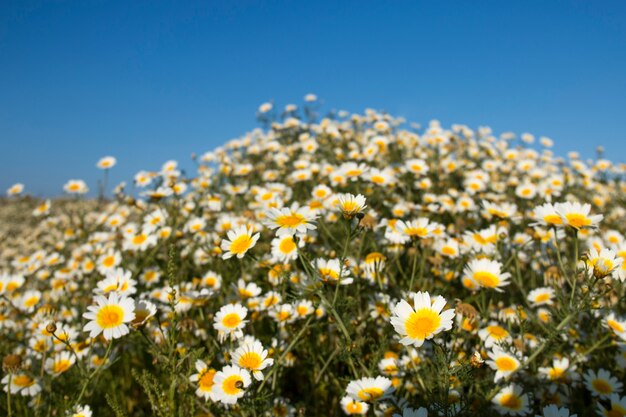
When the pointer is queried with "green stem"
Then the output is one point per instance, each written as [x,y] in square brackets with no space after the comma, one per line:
[90,377]
[9,395]
[282,356]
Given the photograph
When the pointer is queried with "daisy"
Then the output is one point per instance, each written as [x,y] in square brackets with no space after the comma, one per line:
[285,249]
[494,334]
[576,215]
[554,411]
[416,166]
[109,316]
[253,357]
[239,241]
[546,215]
[351,205]
[559,371]
[618,325]
[511,400]
[230,320]
[76,187]
[107,162]
[617,408]
[205,378]
[369,389]
[60,363]
[351,406]
[82,411]
[144,310]
[15,189]
[422,321]
[230,383]
[42,209]
[503,363]
[604,262]
[291,220]
[413,229]
[486,273]
[541,296]
[21,383]
[331,272]
[602,384]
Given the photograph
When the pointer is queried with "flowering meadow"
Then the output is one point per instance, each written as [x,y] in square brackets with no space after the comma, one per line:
[323,265]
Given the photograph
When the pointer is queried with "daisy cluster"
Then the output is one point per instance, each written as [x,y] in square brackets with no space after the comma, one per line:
[347,264]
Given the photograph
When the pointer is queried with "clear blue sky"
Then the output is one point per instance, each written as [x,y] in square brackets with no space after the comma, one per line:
[148,81]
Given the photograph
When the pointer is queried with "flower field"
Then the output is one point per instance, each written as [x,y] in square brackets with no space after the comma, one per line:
[348,264]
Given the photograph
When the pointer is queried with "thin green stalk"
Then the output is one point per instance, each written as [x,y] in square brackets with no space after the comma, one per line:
[9,394]
[282,356]
[90,377]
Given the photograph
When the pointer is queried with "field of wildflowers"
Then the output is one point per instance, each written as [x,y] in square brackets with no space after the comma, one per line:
[350,264]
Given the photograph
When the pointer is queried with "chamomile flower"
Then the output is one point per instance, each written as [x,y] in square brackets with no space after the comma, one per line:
[230,320]
[350,406]
[81,411]
[541,296]
[76,187]
[487,274]
[554,411]
[240,241]
[423,320]
[512,401]
[576,215]
[351,205]
[252,356]
[21,383]
[205,379]
[370,389]
[331,272]
[601,383]
[415,229]
[292,220]
[107,162]
[230,384]
[60,363]
[603,262]
[503,363]
[110,316]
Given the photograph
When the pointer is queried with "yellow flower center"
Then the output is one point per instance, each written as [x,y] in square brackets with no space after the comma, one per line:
[61,366]
[241,244]
[290,220]
[287,245]
[602,386]
[511,401]
[31,301]
[230,385]
[416,231]
[231,320]
[250,360]
[422,323]
[577,220]
[108,261]
[506,364]
[139,239]
[486,279]
[543,297]
[206,379]
[110,316]
[448,250]
[615,325]
[616,411]
[22,381]
[497,332]
[553,219]
[329,274]
[370,393]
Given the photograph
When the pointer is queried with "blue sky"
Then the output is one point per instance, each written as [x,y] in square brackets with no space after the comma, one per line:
[148,81]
